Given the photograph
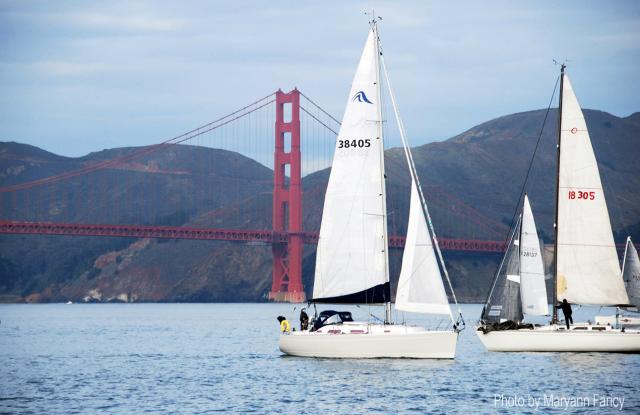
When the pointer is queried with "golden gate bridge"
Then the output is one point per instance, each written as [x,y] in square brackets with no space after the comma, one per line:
[293,121]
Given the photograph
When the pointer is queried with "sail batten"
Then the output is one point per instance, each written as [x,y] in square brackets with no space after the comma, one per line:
[588,271]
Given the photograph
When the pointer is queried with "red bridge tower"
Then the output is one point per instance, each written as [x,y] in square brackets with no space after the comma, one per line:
[287,201]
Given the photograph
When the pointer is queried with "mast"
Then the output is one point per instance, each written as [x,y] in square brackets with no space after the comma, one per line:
[383,190]
[554,319]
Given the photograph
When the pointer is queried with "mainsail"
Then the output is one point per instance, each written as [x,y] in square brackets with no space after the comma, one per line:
[504,299]
[587,271]
[420,287]
[351,262]
[631,273]
[533,291]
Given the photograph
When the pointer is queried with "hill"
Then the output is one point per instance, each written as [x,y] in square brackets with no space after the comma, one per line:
[472,182]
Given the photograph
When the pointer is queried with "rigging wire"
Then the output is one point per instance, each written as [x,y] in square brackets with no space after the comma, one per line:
[522,191]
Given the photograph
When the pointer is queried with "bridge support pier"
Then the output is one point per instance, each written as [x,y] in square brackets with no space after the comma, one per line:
[287,201]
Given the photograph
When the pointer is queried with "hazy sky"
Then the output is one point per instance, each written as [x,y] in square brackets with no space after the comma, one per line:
[77,76]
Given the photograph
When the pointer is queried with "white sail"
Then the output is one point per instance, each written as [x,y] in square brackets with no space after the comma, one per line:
[587,263]
[631,273]
[351,259]
[533,291]
[420,287]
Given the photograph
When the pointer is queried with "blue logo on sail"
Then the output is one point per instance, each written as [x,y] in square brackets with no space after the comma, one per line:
[361,97]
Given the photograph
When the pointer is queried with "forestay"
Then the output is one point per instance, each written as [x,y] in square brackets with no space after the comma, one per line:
[351,263]
[533,292]
[588,271]
[420,286]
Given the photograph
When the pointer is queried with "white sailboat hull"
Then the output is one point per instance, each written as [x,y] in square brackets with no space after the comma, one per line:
[375,342]
[552,339]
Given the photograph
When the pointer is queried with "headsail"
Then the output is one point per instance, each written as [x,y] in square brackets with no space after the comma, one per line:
[504,299]
[588,271]
[351,262]
[631,273]
[533,291]
[420,287]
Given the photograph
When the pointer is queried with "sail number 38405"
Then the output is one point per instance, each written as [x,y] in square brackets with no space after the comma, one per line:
[579,194]
[354,143]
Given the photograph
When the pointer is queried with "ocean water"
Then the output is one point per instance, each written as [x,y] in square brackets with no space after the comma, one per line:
[206,358]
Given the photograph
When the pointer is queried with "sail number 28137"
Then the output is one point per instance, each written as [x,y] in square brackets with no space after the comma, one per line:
[354,143]
[579,194]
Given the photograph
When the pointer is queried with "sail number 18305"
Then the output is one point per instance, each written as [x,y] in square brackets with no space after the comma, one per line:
[354,143]
[579,194]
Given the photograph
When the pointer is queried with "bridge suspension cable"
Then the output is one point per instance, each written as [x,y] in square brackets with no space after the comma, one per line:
[318,137]
[189,135]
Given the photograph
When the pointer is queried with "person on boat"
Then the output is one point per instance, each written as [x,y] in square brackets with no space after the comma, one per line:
[285,327]
[304,320]
[566,310]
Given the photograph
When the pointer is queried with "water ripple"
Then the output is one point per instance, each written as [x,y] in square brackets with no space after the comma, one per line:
[201,358]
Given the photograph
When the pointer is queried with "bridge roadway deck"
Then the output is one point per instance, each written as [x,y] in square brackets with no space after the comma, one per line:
[234,235]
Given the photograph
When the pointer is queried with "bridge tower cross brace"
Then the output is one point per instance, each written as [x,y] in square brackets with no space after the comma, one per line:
[287,201]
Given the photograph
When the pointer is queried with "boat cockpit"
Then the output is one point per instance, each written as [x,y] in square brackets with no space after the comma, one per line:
[328,317]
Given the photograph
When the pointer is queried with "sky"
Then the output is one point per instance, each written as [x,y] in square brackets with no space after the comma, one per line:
[77,77]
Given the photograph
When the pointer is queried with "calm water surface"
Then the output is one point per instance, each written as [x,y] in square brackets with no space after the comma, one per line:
[204,358]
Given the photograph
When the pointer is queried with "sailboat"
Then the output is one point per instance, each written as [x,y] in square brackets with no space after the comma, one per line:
[352,262]
[519,286]
[587,270]
[631,278]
